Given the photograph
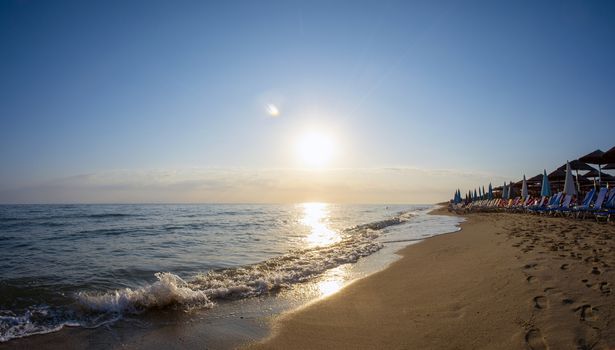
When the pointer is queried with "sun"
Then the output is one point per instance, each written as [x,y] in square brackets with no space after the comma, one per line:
[315,149]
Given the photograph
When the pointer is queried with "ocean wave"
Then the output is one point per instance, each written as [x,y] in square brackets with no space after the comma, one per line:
[108,215]
[246,281]
[93,309]
[36,320]
[169,290]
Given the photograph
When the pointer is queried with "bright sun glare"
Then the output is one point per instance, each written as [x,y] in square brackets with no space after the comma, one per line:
[315,149]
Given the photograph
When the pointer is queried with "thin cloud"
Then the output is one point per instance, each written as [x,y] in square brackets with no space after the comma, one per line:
[356,185]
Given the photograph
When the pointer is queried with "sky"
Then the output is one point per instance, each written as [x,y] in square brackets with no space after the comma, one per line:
[170,101]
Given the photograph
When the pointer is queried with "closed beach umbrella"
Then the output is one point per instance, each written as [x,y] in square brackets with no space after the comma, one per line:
[524,192]
[484,194]
[475,196]
[545,191]
[490,191]
[504,191]
[511,190]
[577,165]
[569,187]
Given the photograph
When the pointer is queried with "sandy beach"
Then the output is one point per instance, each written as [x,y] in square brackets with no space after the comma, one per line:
[506,281]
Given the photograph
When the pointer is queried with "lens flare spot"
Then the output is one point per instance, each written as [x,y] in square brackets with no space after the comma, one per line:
[272,110]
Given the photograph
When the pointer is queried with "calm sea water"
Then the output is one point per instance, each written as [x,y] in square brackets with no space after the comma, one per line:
[87,265]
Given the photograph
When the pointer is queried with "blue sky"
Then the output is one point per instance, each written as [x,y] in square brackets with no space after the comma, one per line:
[124,91]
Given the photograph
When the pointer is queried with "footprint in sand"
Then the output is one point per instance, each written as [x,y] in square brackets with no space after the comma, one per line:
[534,340]
[567,301]
[584,345]
[604,288]
[587,312]
[540,302]
[529,266]
[530,278]
[564,266]
[595,271]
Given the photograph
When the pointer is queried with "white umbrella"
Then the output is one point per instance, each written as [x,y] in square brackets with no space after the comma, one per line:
[524,193]
[569,187]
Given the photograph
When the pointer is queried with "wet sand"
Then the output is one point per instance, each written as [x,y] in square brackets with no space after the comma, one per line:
[506,281]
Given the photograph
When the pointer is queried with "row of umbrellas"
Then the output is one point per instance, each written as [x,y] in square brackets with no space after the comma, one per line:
[572,184]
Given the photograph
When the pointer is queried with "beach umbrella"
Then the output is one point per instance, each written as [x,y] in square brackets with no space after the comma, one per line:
[594,174]
[577,165]
[504,191]
[569,187]
[545,191]
[524,192]
[609,156]
[480,193]
[557,175]
[484,194]
[535,179]
[475,196]
[595,158]
[490,191]
[511,190]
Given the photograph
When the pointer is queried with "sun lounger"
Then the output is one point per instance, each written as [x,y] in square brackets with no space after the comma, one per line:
[553,204]
[537,204]
[564,206]
[607,207]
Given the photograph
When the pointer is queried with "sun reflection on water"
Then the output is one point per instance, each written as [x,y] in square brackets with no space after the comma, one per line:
[315,216]
[332,281]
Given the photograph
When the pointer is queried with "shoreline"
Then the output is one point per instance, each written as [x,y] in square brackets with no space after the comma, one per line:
[229,324]
[506,281]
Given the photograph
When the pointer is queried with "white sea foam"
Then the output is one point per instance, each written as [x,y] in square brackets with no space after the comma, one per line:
[169,290]
[37,320]
[97,308]
[241,282]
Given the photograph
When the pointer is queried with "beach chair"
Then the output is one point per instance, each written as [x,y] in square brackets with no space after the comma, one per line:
[606,208]
[521,204]
[526,204]
[553,203]
[610,206]
[564,207]
[585,204]
[537,204]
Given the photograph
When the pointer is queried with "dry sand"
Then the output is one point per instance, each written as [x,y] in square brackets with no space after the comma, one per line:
[506,281]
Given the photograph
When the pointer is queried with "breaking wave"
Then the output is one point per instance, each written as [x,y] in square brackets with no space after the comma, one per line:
[92,309]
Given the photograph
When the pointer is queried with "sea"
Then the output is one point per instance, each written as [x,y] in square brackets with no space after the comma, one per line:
[88,266]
